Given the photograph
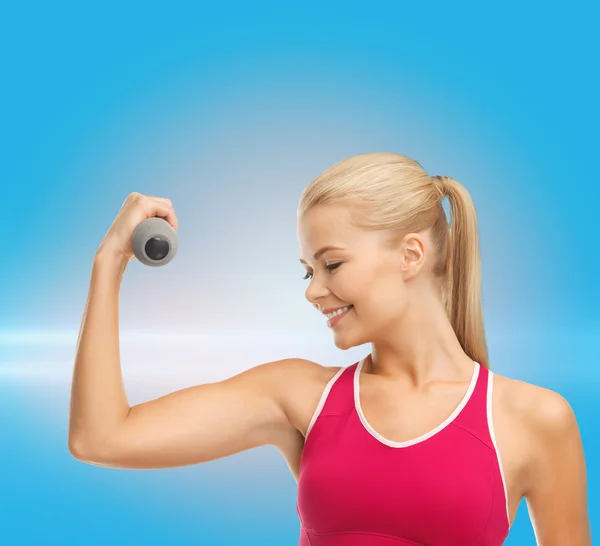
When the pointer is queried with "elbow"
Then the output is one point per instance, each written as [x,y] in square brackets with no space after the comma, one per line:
[87,452]
[79,449]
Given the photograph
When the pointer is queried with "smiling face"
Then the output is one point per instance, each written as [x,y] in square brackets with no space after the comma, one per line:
[363,273]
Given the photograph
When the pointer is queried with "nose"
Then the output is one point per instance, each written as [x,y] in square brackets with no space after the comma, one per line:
[316,292]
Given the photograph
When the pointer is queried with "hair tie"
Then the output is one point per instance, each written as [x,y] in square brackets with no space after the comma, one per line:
[440,184]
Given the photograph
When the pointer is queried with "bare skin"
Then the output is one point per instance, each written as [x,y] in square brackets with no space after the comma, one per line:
[415,368]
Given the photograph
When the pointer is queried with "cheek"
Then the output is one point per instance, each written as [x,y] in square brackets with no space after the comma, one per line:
[384,296]
[374,289]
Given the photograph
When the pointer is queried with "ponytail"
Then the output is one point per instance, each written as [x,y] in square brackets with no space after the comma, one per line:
[463,267]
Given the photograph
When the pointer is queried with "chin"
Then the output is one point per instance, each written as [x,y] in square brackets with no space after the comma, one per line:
[344,344]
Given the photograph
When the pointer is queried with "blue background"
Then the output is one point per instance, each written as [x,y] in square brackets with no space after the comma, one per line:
[230,111]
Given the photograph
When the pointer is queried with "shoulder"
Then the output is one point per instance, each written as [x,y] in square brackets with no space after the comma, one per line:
[286,383]
[292,378]
[555,480]
[298,386]
[299,376]
[545,412]
[550,418]
[544,417]
[296,371]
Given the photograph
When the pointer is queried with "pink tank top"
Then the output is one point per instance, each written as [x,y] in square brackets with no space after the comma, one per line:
[445,487]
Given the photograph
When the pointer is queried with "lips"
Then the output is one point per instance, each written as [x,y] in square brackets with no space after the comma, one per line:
[333,322]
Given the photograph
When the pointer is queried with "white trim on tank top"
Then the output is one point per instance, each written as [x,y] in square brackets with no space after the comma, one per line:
[322,400]
[424,436]
[490,420]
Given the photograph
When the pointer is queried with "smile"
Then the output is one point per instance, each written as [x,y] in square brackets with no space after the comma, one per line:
[334,318]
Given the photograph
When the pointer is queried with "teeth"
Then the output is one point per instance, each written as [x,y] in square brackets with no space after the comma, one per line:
[338,312]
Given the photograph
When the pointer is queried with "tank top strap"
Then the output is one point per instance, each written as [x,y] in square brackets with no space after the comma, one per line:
[475,415]
[338,395]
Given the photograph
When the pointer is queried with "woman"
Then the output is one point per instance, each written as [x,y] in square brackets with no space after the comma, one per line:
[417,443]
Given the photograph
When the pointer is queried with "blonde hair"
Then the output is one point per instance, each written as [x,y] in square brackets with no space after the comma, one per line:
[393,193]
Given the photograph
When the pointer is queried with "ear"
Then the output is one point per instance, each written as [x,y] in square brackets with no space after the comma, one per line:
[413,254]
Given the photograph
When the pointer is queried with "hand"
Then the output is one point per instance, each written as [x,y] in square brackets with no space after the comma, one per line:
[135,209]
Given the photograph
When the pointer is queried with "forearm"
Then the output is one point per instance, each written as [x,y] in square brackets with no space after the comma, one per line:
[98,399]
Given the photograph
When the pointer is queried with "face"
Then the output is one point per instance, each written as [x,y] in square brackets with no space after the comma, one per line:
[363,273]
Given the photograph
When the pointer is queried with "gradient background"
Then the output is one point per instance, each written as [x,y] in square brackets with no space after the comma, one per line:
[230,111]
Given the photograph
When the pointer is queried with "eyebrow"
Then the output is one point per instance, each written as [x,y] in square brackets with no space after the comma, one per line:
[319,252]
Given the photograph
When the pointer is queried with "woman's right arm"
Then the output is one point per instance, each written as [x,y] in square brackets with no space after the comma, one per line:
[189,426]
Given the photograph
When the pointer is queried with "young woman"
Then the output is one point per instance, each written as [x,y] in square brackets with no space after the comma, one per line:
[417,443]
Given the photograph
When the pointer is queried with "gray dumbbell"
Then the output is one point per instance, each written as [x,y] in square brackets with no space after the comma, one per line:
[154,242]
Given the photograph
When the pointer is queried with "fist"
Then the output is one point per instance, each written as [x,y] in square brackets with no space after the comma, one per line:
[135,209]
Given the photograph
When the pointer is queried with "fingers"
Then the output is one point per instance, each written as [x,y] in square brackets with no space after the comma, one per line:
[157,206]
[169,211]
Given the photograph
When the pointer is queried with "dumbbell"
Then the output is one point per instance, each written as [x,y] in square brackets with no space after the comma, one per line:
[154,242]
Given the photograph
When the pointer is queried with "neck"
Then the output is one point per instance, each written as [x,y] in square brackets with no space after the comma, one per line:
[421,349]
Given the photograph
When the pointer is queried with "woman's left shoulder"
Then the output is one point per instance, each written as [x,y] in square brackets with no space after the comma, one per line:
[552,465]
[544,412]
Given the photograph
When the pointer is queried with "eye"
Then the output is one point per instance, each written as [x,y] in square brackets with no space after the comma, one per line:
[329,267]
